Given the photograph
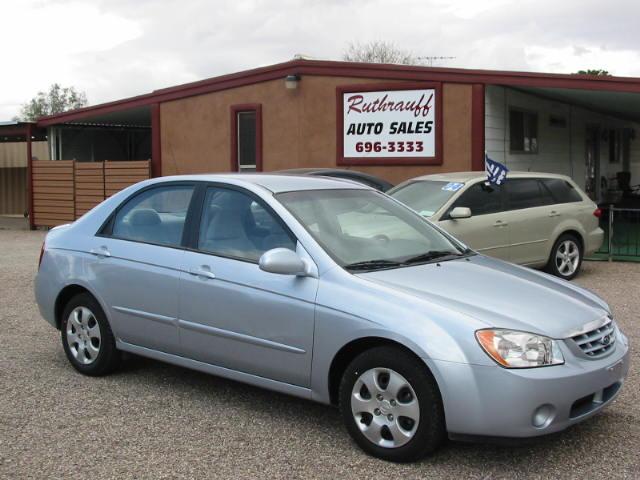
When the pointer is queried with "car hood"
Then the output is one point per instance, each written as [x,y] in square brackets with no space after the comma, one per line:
[498,294]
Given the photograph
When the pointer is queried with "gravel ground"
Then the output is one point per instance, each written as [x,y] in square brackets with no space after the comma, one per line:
[152,420]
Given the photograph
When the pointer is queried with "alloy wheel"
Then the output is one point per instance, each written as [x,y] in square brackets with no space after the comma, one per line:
[83,335]
[567,257]
[385,407]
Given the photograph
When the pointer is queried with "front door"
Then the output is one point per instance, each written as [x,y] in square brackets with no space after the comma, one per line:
[234,315]
[487,230]
[592,162]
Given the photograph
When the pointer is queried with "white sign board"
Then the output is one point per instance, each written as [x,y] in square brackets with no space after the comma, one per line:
[389,124]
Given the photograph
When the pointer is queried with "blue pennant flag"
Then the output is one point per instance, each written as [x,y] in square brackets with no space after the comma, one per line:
[496,172]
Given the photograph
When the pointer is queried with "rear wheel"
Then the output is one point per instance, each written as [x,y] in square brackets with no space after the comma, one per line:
[566,257]
[87,338]
[391,405]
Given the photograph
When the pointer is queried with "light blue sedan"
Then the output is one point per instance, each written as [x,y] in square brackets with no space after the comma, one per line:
[330,291]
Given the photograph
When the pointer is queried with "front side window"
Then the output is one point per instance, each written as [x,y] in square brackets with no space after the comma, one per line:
[523,131]
[154,216]
[481,199]
[426,197]
[363,228]
[527,193]
[235,225]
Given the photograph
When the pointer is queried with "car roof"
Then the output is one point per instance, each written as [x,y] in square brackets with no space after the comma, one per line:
[275,183]
[464,177]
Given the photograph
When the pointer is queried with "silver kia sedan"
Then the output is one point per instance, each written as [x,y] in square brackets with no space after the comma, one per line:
[334,292]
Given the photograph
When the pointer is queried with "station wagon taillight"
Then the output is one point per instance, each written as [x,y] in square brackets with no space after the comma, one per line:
[597,212]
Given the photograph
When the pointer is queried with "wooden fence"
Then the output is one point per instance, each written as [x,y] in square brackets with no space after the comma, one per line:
[53,192]
[64,190]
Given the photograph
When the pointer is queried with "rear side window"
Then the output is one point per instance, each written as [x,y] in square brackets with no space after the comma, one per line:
[481,198]
[561,190]
[527,193]
[235,225]
[155,216]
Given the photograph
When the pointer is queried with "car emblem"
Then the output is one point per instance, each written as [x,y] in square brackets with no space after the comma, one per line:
[606,340]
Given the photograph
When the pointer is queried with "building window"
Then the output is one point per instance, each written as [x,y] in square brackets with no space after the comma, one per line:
[523,129]
[246,141]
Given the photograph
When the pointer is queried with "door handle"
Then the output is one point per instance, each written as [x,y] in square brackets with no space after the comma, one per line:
[500,223]
[203,271]
[103,251]
[553,213]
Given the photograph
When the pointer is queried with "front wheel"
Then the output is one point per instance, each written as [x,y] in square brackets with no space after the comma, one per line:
[391,405]
[566,257]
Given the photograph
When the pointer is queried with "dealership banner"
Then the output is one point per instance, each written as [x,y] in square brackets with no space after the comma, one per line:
[389,124]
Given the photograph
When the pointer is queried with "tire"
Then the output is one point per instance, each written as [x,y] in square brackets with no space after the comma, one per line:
[87,338]
[566,257]
[408,384]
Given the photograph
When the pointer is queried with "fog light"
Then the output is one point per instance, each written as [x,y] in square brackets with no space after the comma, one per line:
[543,416]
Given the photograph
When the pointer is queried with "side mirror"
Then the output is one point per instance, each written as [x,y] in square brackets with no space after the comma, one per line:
[460,212]
[283,261]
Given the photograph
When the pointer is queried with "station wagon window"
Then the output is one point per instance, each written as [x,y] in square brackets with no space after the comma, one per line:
[154,216]
[523,131]
[527,193]
[562,191]
[481,198]
[426,197]
[236,225]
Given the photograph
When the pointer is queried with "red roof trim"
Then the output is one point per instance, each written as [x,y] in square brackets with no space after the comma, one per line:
[358,70]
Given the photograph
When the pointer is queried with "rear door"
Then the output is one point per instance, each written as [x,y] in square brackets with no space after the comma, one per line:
[136,265]
[532,216]
[487,230]
[234,315]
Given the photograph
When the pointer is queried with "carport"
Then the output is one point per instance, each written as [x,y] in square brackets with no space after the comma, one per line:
[19,143]
[95,152]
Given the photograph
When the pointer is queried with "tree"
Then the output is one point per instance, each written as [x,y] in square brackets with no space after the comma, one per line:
[595,72]
[379,52]
[56,100]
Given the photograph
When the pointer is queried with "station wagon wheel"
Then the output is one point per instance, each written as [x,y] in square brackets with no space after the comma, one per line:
[87,338]
[566,257]
[391,404]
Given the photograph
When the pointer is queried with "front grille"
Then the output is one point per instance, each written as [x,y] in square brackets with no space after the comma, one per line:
[598,342]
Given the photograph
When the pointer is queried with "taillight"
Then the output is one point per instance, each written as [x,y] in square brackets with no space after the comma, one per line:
[597,212]
[41,254]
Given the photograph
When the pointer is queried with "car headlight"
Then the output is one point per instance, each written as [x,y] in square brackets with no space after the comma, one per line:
[513,349]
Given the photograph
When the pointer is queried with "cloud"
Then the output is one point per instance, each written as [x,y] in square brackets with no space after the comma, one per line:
[117,48]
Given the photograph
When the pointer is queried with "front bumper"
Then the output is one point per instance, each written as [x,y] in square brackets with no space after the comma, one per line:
[497,402]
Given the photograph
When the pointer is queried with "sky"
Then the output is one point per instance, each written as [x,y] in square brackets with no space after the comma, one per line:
[113,49]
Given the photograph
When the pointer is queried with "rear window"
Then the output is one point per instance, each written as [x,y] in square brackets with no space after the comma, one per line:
[426,197]
[561,190]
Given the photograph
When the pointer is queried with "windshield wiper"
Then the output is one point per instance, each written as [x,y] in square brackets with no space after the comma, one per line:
[431,255]
[372,265]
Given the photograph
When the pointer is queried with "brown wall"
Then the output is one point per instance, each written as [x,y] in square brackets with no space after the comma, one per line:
[299,128]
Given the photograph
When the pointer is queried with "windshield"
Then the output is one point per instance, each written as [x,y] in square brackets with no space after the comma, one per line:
[426,196]
[365,229]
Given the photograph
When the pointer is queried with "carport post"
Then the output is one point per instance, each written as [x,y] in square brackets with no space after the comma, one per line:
[29,178]
[610,233]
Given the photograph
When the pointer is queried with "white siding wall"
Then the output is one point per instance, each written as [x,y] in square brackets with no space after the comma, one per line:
[560,150]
